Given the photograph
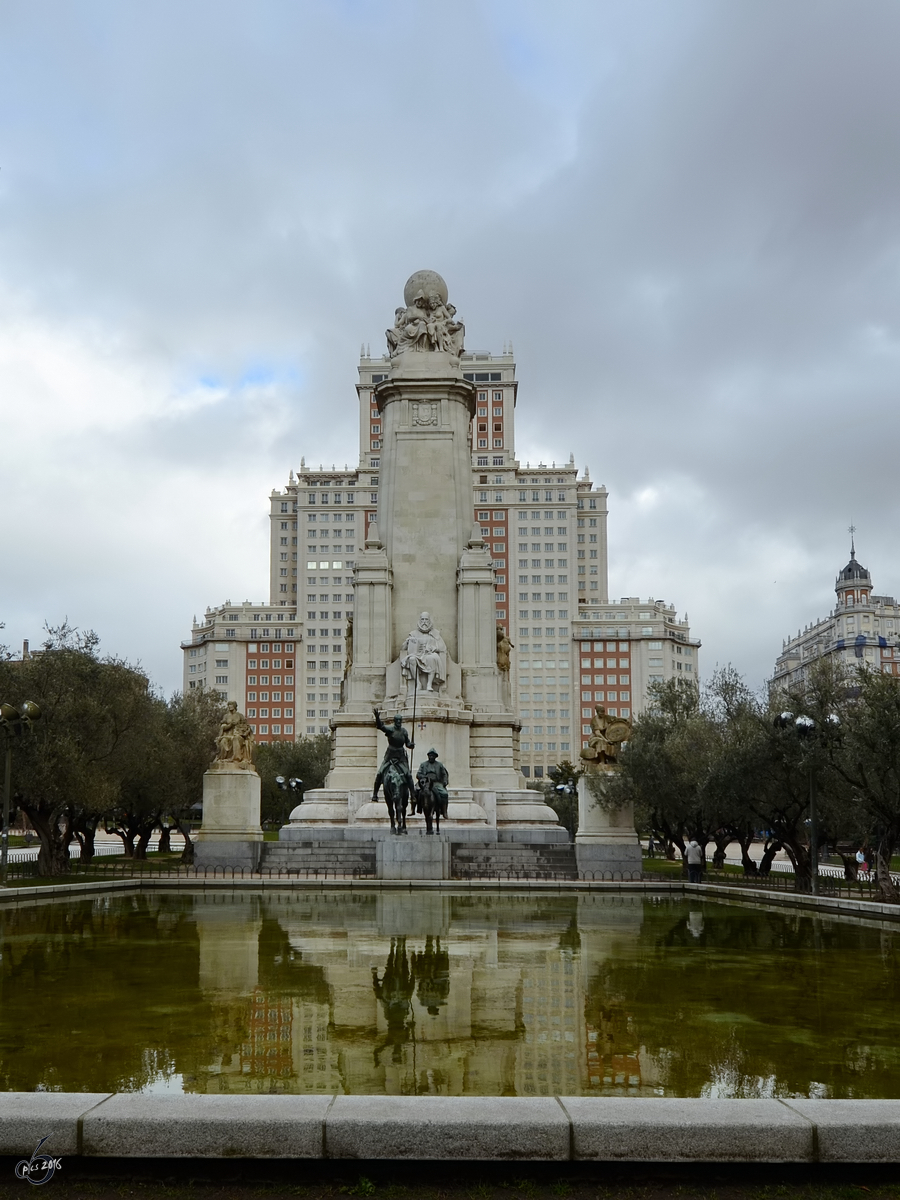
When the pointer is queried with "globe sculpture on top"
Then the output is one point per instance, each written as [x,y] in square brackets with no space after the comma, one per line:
[428,320]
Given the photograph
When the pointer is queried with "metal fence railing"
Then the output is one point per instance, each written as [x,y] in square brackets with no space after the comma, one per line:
[864,888]
[526,874]
[134,869]
[101,850]
[106,867]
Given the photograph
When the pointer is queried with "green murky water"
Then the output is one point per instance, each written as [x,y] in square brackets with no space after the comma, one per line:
[449,994]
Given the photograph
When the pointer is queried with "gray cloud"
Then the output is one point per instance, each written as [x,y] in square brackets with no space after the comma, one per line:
[684,214]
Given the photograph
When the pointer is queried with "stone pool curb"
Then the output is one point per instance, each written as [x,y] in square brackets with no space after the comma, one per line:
[825,904]
[416,1128]
[828,904]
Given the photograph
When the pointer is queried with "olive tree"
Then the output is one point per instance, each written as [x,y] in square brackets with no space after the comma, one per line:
[95,712]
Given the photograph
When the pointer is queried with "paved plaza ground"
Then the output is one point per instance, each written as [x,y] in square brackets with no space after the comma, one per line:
[447,1181]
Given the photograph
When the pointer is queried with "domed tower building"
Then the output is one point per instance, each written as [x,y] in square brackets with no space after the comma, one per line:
[863,630]
[854,584]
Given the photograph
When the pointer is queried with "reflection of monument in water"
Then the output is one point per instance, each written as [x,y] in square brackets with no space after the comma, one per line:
[445,995]
[424,640]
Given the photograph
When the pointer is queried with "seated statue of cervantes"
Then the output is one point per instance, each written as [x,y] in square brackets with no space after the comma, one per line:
[423,658]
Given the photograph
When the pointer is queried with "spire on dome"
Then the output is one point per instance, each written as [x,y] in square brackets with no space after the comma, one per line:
[854,569]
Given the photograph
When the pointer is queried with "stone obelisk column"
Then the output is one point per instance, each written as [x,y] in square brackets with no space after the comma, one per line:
[424,626]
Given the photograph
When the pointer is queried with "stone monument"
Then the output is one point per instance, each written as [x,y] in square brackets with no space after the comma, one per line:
[231,835]
[425,644]
[606,844]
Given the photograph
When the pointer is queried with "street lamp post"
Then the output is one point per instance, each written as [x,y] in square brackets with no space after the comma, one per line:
[806,729]
[569,789]
[13,722]
[287,786]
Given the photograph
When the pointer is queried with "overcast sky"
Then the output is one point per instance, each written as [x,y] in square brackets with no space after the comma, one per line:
[684,213]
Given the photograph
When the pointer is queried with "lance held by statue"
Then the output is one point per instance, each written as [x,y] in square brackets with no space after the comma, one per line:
[394,774]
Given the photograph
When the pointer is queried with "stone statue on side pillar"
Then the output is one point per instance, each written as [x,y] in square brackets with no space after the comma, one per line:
[235,745]
[606,844]
[607,735]
[504,645]
[423,659]
[428,322]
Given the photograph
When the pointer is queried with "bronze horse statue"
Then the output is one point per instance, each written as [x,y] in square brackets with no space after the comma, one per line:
[396,796]
[431,801]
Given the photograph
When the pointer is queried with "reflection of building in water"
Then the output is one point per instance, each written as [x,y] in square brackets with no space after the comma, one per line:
[614,1064]
[390,994]
[315,1062]
[548,1060]
[268,1048]
[611,1071]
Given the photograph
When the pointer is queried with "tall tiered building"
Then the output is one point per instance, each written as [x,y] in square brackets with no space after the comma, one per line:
[862,630]
[545,527]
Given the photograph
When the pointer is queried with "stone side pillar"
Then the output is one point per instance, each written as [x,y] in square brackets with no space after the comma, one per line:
[371,647]
[231,834]
[477,626]
[355,750]
[606,843]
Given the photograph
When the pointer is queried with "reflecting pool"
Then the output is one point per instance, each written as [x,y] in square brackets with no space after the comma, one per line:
[402,992]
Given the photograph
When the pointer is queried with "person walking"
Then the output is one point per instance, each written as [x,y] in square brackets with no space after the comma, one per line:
[694,856]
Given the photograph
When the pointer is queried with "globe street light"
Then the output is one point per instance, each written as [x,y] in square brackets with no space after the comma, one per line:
[806,730]
[289,785]
[567,787]
[13,722]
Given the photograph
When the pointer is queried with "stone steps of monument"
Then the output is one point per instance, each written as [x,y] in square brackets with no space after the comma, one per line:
[513,859]
[340,858]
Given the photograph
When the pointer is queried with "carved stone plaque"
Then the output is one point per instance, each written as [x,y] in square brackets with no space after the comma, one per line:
[424,413]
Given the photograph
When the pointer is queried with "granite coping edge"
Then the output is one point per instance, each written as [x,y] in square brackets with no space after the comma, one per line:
[14,895]
[581,1129]
[829,904]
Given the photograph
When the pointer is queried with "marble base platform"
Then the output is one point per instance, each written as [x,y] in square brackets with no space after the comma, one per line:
[474,814]
[608,861]
[231,834]
[398,857]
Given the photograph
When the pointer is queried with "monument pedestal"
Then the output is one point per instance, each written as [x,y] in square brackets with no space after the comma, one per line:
[425,636]
[412,857]
[231,835]
[606,844]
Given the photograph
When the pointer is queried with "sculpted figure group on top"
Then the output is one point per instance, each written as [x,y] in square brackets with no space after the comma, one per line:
[235,745]
[429,323]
